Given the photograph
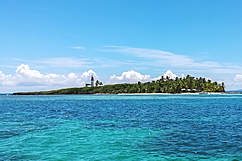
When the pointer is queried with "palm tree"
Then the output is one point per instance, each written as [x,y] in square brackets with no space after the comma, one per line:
[223,85]
[97,83]
[167,78]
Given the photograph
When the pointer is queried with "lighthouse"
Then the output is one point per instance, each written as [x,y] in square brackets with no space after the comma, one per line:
[92,81]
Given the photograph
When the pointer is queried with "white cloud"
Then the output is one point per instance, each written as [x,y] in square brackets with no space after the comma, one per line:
[183,76]
[230,70]
[26,77]
[6,80]
[129,77]
[134,77]
[238,78]
[233,83]
[170,75]
[173,76]
[69,62]
[66,62]
[161,57]
[103,62]
[24,71]
[8,66]
[78,47]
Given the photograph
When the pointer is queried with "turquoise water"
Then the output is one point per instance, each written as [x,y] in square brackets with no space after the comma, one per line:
[116,127]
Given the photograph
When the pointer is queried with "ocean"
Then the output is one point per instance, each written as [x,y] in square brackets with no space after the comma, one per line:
[121,127]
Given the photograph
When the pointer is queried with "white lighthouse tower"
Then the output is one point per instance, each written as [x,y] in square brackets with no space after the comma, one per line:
[92,81]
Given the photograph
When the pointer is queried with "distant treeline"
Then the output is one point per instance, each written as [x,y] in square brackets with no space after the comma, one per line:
[163,85]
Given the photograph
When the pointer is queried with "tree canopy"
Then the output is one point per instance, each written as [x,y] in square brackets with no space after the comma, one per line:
[163,85]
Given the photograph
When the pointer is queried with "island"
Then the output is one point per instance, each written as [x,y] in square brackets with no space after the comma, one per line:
[187,84]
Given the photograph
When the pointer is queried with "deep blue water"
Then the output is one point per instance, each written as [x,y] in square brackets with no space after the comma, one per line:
[116,127]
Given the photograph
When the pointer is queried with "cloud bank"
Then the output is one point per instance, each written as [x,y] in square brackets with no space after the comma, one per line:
[170,75]
[24,76]
[238,78]
[129,77]
[28,79]
[134,77]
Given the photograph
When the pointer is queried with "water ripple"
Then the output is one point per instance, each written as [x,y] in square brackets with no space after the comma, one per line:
[121,127]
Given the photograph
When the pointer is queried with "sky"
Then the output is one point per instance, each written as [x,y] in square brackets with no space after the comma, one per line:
[46,45]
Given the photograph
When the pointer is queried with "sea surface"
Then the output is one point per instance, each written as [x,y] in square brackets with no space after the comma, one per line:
[121,127]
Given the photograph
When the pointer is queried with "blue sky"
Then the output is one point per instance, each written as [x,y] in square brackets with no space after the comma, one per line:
[57,44]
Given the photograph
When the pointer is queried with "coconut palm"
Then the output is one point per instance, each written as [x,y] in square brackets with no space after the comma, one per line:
[97,83]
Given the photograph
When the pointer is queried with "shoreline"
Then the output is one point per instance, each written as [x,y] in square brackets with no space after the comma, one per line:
[213,93]
[209,93]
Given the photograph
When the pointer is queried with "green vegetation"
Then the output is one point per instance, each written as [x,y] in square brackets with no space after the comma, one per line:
[98,83]
[163,85]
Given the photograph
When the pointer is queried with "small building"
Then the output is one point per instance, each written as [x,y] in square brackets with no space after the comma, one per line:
[188,90]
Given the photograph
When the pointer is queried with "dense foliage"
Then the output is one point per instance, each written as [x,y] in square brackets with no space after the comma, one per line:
[163,85]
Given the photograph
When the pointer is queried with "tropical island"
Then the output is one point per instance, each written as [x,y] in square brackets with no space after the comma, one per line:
[186,84]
